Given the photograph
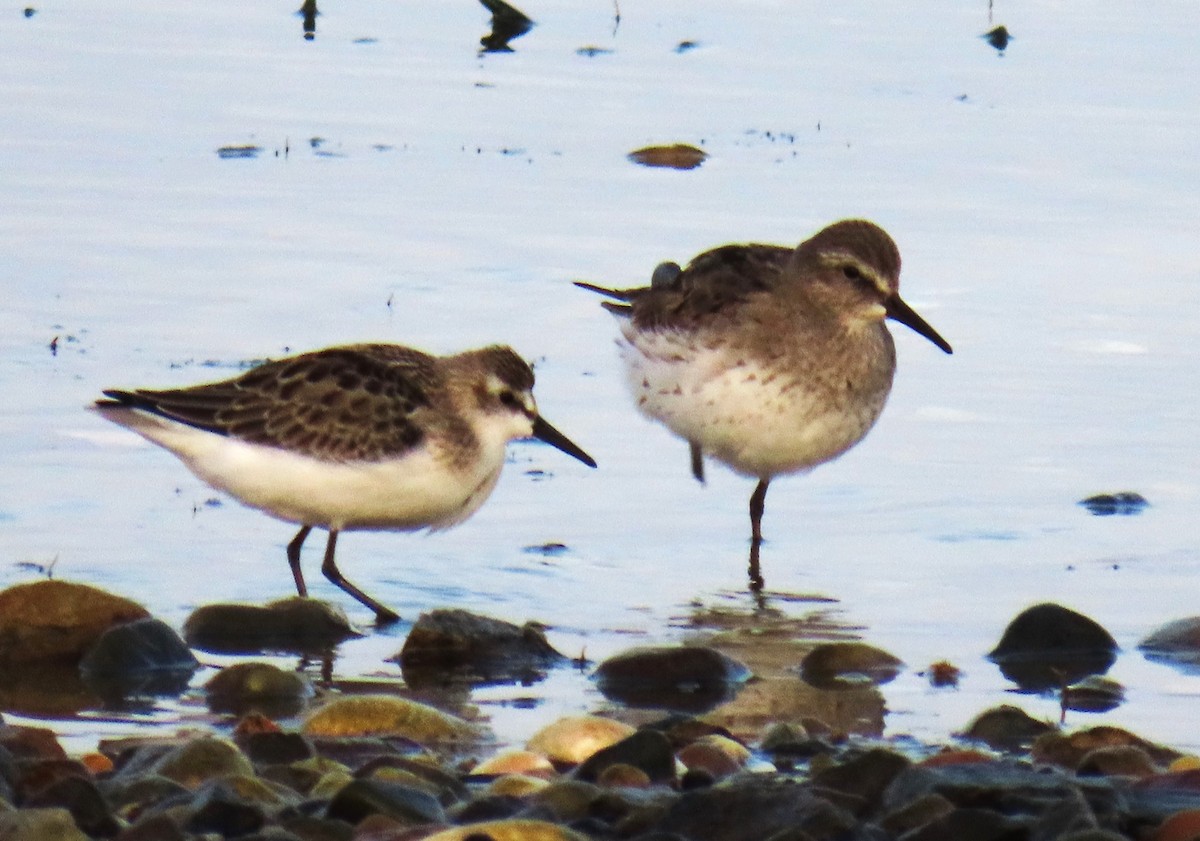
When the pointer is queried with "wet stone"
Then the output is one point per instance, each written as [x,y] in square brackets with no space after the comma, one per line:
[646,750]
[138,647]
[79,796]
[51,824]
[864,777]
[257,687]
[753,808]
[1093,694]
[276,748]
[143,657]
[1007,728]
[1123,503]
[441,783]
[1068,750]
[975,824]
[57,620]
[573,739]
[1175,642]
[202,759]
[377,714]
[21,742]
[1048,646]
[690,679]
[408,805]
[457,644]
[158,827]
[143,793]
[219,810]
[848,665]
[293,625]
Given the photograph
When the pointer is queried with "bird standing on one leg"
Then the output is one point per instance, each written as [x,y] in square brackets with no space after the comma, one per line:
[371,437]
[769,359]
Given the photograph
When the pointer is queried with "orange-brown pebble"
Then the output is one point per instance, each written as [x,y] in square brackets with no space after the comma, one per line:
[720,756]
[955,757]
[515,762]
[573,739]
[252,723]
[1181,826]
[943,673]
[97,763]
[1185,763]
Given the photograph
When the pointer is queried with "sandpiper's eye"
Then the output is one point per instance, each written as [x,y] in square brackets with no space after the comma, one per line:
[852,272]
[509,399]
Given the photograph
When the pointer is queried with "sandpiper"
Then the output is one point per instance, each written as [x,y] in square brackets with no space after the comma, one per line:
[769,359]
[369,436]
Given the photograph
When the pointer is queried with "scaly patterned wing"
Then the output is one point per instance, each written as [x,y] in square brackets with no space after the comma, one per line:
[715,281]
[339,404]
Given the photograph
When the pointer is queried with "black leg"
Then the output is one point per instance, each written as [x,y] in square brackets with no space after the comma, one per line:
[293,556]
[758,501]
[697,462]
[382,614]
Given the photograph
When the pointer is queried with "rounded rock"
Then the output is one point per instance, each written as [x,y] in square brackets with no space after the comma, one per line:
[387,715]
[573,739]
[58,620]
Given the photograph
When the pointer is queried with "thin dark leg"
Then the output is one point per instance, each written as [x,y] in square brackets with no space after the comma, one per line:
[382,614]
[293,555]
[758,501]
[697,462]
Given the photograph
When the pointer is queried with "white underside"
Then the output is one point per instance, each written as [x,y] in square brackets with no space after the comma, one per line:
[419,490]
[759,422]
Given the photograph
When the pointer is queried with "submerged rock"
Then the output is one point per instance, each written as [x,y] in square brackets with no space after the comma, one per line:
[689,678]
[457,644]
[293,624]
[1124,503]
[1007,728]
[848,665]
[259,687]
[1048,646]
[1176,642]
[140,658]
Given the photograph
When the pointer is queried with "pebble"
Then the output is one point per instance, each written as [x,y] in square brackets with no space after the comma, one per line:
[1049,646]
[573,739]
[389,715]
[57,620]
[458,644]
[291,624]
[688,678]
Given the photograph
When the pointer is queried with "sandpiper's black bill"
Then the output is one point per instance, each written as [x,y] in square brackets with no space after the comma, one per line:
[907,316]
[545,432]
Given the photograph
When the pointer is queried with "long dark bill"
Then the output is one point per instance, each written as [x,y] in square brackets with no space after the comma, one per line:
[545,432]
[907,316]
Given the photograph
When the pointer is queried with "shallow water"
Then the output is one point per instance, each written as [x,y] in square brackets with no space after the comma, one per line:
[410,189]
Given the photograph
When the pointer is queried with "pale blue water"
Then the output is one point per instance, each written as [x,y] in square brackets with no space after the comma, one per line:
[1046,202]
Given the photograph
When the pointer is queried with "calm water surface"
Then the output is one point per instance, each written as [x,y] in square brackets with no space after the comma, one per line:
[409,189]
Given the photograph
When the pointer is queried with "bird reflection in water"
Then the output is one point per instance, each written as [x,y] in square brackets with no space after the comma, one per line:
[309,12]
